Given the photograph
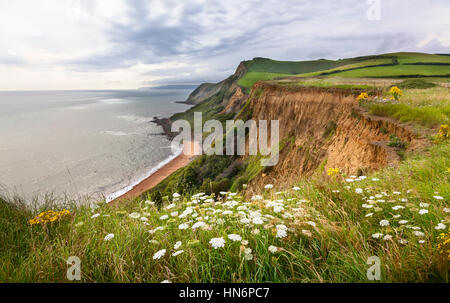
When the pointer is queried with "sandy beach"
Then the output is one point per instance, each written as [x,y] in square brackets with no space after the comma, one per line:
[182,160]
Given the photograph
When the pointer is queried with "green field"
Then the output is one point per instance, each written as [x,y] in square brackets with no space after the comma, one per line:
[398,71]
[251,78]
[392,65]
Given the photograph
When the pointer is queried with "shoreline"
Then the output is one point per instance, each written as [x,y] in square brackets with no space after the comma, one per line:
[180,161]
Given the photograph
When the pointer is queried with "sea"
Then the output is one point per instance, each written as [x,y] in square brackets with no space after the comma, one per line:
[84,145]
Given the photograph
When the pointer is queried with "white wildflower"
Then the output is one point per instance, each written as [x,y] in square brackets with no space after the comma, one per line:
[311,223]
[281,233]
[398,207]
[235,238]
[403,241]
[384,223]
[198,225]
[159,254]
[183,226]
[377,235]
[109,237]
[177,253]
[135,215]
[440,226]
[419,234]
[273,249]
[217,242]
[257,221]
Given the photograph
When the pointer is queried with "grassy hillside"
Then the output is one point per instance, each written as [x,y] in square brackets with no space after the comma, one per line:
[260,69]
[309,233]
[392,65]
[316,229]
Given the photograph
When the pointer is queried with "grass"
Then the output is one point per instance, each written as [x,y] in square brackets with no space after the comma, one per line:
[329,235]
[427,107]
[426,116]
[397,71]
[416,83]
[251,78]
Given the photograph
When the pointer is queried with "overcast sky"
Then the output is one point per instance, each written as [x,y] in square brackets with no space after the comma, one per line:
[114,44]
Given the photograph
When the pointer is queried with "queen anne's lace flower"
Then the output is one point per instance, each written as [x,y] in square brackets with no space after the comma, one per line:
[235,238]
[135,215]
[273,249]
[183,226]
[109,237]
[177,253]
[217,242]
[159,254]
[198,225]
[384,223]
[423,211]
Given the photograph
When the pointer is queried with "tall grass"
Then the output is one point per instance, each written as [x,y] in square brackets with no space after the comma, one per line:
[427,107]
[329,235]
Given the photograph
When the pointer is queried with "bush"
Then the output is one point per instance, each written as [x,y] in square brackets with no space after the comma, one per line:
[416,83]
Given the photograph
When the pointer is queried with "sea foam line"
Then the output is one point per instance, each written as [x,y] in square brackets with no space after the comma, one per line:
[126,189]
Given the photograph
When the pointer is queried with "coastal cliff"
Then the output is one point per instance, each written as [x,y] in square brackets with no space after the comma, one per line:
[321,128]
[325,128]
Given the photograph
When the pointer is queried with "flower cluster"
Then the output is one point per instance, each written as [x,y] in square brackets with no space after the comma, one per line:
[444,244]
[362,97]
[443,134]
[395,93]
[49,217]
[332,171]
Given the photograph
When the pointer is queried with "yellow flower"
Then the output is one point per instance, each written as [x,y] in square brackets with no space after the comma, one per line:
[395,93]
[444,133]
[444,244]
[362,97]
[333,171]
[49,216]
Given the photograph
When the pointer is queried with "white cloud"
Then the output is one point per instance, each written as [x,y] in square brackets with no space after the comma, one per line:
[71,44]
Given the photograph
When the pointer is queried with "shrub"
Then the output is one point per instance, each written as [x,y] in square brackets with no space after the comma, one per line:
[416,84]
[395,93]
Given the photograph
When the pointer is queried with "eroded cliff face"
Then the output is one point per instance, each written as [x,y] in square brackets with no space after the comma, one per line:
[325,128]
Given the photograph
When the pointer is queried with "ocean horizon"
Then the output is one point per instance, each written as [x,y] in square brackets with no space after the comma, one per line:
[91,143]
